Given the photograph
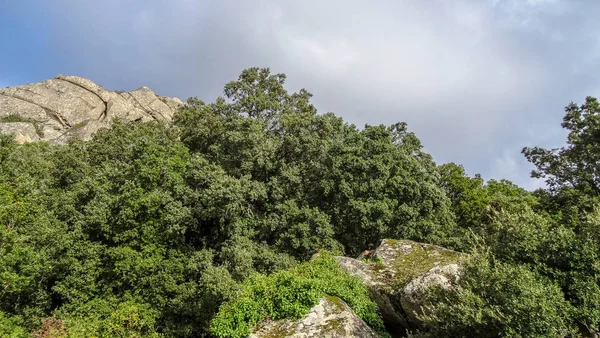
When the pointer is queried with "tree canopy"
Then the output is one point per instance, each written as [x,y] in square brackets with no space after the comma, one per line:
[179,230]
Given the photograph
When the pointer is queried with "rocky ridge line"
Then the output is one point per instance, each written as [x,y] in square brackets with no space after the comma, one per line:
[70,106]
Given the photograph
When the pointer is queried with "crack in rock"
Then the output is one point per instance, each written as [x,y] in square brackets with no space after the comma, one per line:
[105,103]
[50,112]
[58,105]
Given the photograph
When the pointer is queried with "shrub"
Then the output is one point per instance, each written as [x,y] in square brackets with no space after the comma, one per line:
[291,294]
[494,299]
[101,318]
[12,326]
[51,328]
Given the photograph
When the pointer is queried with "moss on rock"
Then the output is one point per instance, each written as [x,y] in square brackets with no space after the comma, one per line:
[394,265]
[400,261]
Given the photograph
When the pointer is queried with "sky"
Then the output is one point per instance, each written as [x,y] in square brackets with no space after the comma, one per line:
[475,80]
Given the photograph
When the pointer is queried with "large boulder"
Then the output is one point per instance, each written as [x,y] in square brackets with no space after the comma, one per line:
[331,318]
[412,297]
[399,273]
[71,106]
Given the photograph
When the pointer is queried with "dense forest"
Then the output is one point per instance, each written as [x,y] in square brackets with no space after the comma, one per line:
[181,229]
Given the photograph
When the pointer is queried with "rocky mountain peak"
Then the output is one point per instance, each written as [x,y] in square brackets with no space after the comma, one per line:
[70,106]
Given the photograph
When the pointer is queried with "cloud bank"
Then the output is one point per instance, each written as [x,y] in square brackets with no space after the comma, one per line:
[476,80]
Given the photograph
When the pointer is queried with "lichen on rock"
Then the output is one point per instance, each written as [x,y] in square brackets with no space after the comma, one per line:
[331,318]
[400,261]
[399,273]
[413,295]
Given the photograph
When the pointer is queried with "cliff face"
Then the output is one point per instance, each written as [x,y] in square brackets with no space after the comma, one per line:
[69,106]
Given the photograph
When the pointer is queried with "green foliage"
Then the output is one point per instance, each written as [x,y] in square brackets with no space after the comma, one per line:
[467,194]
[494,299]
[551,232]
[150,228]
[355,186]
[15,118]
[109,217]
[108,318]
[12,326]
[175,217]
[473,200]
[23,267]
[291,294]
[569,251]
[578,164]
[568,255]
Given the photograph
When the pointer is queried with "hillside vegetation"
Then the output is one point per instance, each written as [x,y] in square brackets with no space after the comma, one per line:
[206,225]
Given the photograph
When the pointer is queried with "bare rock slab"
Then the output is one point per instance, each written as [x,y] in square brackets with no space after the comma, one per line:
[71,106]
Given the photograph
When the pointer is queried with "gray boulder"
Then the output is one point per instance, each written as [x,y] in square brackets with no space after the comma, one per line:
[331,318]
[399,273]
[412,297]
[71,106]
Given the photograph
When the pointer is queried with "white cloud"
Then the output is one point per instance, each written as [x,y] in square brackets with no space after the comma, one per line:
[334,57]
[402,54]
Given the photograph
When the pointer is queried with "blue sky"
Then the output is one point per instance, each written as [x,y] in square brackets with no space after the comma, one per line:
[475,80]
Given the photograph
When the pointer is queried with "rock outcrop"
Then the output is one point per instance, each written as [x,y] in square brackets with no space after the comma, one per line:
[331,318]
[71,106]
[399,272]
[22,131]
